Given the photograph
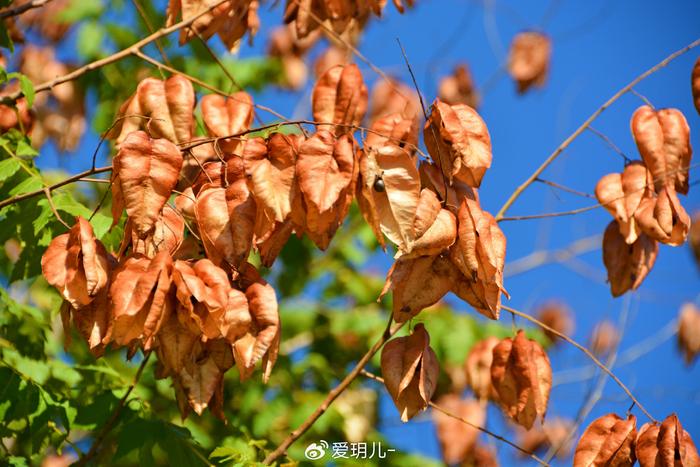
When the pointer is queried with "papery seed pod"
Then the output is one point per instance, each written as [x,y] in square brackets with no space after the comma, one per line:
[327,171]
[226,116]
[627,265]
[230,20]
[334,55]
[528,59]
[622,194]
[553,434]
[663,218]
[480,254]
[290,50]
[694,237]
[145,173]
[410,369]
[689,331]
[477,367]
[390,96]
[457,439]
[607,441]
[558,316]
[663,140]
[458,142]
[168,106]
[77,265]
[522,377]
[140,299]
[666,445]
[695,84]
[340,97]
[604,338]
[459,88]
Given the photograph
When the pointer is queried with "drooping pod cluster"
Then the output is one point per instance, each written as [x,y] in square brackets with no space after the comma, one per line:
[181,283]
[644,197]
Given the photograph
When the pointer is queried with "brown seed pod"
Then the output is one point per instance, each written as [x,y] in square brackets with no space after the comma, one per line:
[522,377]
[604,338]
[607,441]
[666,445]
[689,331]
[695,84]
[558,316]
[410,369]
[627,265]
[663,140]
[456,438]
[528,60]
[477,367]
[340,97]
[459,88]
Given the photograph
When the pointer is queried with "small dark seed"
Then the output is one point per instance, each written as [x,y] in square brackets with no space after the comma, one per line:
[379,185]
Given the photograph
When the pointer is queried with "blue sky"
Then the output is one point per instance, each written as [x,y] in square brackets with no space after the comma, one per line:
[598,47]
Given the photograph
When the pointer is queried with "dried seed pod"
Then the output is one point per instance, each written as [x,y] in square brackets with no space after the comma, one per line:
[663,218]
[226,215]
[694,237]
[286,46]
[263,340]
[168,234]
[663,140]
[522,377]
[459,88]
[77,265]
[340,97]
[604,338]
[458,142]
[230,20]
[689,331]
[608,440]
[477,367]
[558,316]
[327,170]
[226,116]
[553,434]
[145,173]
[695,84]
[480,254]
[391,210]
[417,283]
[457,439]
[528,60]
[410,369]
[622,195]
[390,96]
[627,265]
[334,55]
[140,299]
[667,445]
[169,106]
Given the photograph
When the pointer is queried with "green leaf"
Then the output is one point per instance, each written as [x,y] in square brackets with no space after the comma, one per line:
[7,168]
[80,10]
[27,186]
[90,37]
[27,88]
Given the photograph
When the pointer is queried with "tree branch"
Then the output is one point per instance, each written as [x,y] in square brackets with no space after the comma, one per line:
[467,422]
[48,85]
[585,351]
[518,191]
[18,10]
[333,394]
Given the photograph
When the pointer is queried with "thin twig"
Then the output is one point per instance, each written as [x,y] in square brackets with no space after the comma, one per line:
[518,191]
[144,17]
[585,351]
[67,181]
[609,142]
[49,198]
[18,10]
[379,379]
[333,394]
[78,72]
[111,422]
[565,188]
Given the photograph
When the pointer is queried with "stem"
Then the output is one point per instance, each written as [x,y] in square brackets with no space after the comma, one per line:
[585,351]
[110,424]
[6,13]
[467,422]
[333,394]
[518,191]
[48,85]
[74,178]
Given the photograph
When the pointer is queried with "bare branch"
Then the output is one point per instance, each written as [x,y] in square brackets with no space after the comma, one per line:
[518,191]
[18,10]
